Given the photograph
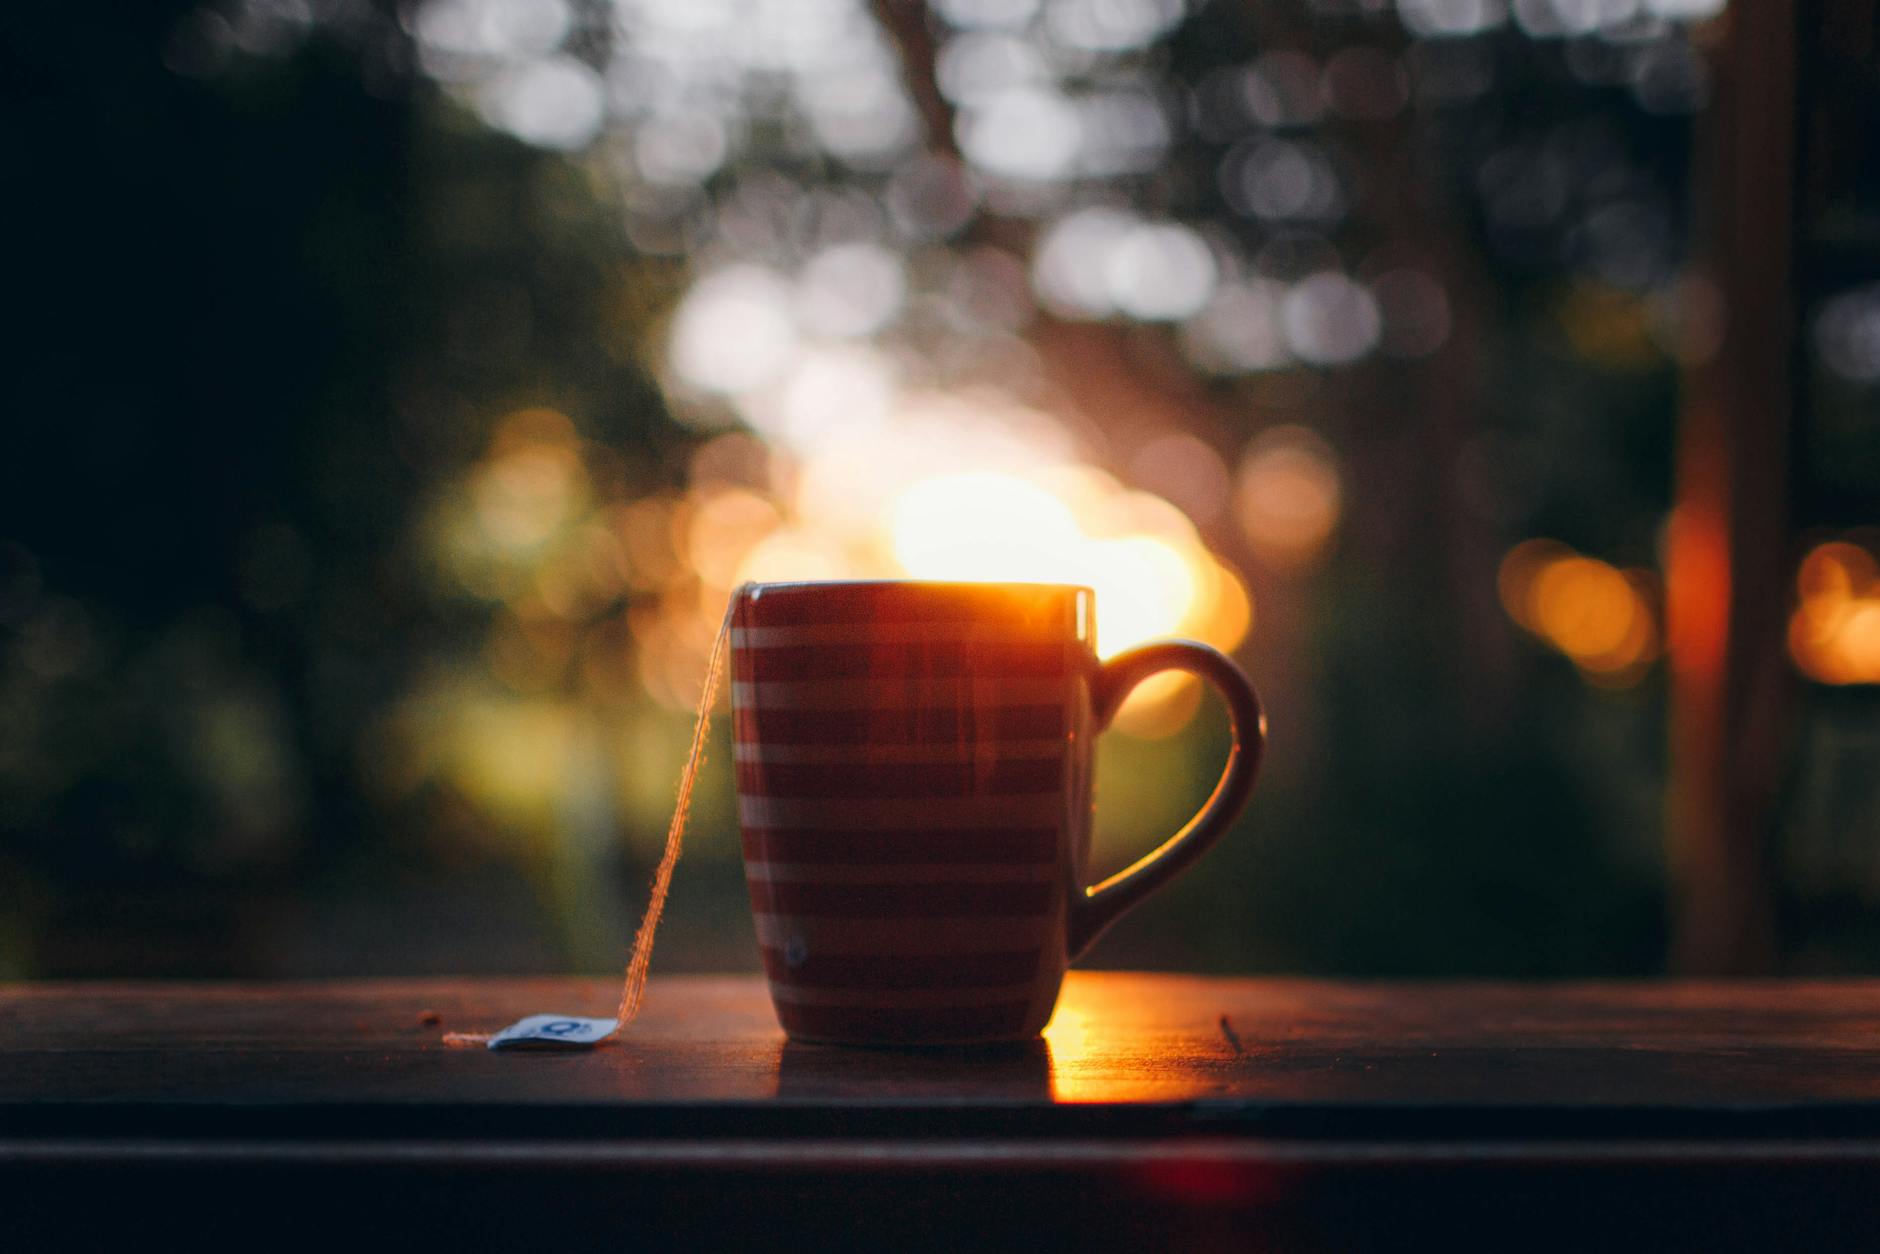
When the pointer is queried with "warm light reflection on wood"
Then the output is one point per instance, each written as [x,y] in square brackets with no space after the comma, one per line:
[1107,1045]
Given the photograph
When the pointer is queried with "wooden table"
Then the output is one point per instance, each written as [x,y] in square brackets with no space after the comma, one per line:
[1158,1112]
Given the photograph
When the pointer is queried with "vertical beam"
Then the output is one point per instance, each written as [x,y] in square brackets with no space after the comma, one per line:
[1729,534]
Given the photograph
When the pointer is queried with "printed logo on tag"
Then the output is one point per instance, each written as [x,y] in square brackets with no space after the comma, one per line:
[553,1032]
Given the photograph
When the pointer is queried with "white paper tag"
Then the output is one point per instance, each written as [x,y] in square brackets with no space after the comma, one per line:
[553,1032]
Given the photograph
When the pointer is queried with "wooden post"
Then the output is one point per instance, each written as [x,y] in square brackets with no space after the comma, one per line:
[1729,539]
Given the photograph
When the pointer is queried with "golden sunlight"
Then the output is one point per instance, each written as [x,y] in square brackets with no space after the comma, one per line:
[1073,524]
[965,487]
[990,528]
[947,487]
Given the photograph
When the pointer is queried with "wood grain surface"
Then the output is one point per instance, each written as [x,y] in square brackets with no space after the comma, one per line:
[1158,1112]
[1124,1052]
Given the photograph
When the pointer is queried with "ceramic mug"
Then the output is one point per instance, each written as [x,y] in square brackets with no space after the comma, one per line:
[914,767]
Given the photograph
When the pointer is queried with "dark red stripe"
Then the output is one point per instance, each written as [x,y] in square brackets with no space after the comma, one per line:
[950,971]
[891,847]
[862,660]
[847,1023]
[902,779]
[1041,608]
[925,725]
[898,901]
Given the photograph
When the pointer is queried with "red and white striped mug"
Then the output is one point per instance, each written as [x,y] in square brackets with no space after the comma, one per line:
[914,767]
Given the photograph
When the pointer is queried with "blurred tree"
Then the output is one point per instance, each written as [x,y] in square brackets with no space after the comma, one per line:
[274,297]
[392,395]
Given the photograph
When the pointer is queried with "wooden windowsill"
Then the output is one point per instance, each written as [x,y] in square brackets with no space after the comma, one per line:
[1198,1096]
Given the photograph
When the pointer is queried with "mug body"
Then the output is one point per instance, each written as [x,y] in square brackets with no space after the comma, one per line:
[914,791]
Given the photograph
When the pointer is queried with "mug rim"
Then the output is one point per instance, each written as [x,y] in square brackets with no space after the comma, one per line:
[937,584]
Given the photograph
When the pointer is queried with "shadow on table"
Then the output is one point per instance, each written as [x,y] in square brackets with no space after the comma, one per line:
[1019,1072]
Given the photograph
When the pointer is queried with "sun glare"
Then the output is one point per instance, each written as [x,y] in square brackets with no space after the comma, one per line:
[955,486]
[986,527]
[1073,524]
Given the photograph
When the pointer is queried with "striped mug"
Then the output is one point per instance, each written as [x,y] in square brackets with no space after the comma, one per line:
[914,768]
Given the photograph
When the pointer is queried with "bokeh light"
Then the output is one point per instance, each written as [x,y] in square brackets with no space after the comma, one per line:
[1187,471]
[1330,319]
[1240,331]
[1847,334]
[930,486]
[1603,618]
[1834,630]
[1140,294]
[1022,133]
[734,331]
[1289,496]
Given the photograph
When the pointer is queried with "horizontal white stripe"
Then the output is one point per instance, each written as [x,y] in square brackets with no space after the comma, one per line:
[910,873]
[969,751]
[895,633]
[904,998]
[851,694]
[860,814]
[908,938]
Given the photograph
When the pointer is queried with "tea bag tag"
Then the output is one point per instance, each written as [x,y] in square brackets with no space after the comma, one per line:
[554,1032]
[573,1031]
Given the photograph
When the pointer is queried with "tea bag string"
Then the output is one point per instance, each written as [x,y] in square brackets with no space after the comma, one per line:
[633,986]
[633,989]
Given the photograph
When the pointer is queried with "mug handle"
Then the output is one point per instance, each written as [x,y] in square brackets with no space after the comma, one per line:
[1107,902]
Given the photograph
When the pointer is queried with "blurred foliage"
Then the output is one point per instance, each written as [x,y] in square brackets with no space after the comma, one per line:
[368,508]
[273,309]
